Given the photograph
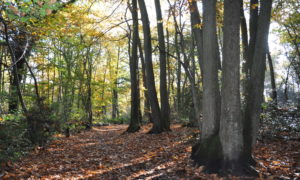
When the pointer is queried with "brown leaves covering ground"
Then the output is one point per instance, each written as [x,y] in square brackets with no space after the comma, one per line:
[106,153]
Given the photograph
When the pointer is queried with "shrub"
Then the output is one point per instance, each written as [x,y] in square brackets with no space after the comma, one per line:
[42,123]
[14,141]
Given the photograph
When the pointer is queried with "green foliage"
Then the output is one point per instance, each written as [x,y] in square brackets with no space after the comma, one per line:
[119,120]
[29,12]
[77,120]
[42,123]
[14,140]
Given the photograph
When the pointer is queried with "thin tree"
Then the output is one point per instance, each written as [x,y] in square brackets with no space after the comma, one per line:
[273,82]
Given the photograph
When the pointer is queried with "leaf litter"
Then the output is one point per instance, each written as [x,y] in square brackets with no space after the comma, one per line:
[106,152]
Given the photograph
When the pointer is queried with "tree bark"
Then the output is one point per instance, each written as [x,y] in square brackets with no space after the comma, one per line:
[164,97]
[231,132]
[256,81]
[155,110]
[208,151]
[134,124]
[197,30]
[273,82]
[253,27]
[147,108]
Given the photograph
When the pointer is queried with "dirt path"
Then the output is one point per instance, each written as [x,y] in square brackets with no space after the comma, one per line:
[106,153]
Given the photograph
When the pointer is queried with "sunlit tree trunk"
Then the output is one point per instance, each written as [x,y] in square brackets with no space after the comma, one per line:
[155,110]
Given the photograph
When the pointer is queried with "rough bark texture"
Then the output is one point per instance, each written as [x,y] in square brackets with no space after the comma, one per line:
[164,97]
[197,30]
[231,133]
[256,82]
[208,151]
[155,110]
[134,114]
[211,95]
[252,31]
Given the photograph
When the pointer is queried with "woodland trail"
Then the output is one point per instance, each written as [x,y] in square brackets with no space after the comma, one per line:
[106,153]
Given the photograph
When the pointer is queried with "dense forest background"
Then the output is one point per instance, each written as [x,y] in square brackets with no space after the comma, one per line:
[230,69]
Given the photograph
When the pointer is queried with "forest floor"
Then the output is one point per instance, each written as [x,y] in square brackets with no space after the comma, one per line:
[106,152]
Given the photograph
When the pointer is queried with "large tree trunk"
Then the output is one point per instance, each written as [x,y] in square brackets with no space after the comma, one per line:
[256,81]
[164,97]
[231,132]
[208,151]
[155,110]
[134,115]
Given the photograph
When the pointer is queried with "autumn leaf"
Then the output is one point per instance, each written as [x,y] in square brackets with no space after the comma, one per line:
[254,6]
[14,9]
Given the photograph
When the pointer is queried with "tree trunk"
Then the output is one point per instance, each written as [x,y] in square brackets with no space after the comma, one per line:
[164,97]
[253,26]
[88,103]
[155,110]
[256,81]
[38,97]
[208,151]
[197,30]
[134,115]
[273,82]
[286,85]
[115,106]
[15,88]
[1,61]
[147,108]
[245,46]
[231,132]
